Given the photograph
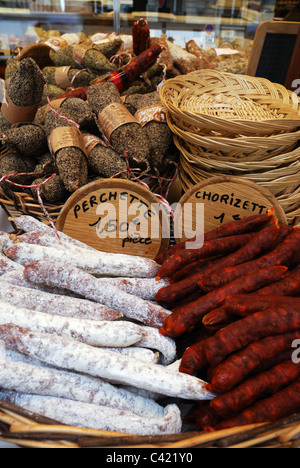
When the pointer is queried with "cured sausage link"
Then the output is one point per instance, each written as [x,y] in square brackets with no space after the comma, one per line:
[62,275]
[187,316]
[209,249]
[279,405]
[233,370]
[28,378]
[80,357]
[233,228]
[96,263]
[56,304]
[249,391]
[76,413]
[269,322]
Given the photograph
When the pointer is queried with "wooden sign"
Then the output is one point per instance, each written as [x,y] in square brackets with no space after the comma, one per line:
[219,200]
[117,216]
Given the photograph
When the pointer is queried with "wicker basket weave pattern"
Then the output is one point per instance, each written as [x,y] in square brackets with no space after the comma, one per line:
[236,125]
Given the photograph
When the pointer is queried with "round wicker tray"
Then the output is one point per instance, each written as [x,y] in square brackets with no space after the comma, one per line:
[230,104]
[26,429]
[222,126]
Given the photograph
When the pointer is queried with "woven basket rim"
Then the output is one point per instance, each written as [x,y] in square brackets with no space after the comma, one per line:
[268,94]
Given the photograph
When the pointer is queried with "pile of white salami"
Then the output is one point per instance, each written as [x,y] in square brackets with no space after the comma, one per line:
[79,336]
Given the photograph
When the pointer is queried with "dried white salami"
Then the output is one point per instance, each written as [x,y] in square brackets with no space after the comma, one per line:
[146,288]
[143,354]
[36,380]
[95,263]
[5,241]
[79,357]
[61,275]
[56,304]
[7,265]
[30,224]
[105,333]
[48,240]
[154,340]
[91,416]
[16,277]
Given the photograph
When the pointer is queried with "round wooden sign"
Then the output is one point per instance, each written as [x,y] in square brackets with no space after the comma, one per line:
[219,200]
[117,216]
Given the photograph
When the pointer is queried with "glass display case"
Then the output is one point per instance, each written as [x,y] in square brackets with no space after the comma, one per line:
[212,24]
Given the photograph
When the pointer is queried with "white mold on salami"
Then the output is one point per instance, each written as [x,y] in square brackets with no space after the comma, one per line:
[79,357]
[37,380]
[95,263]
[61,275]
[94,333]
[91,416]
[55,304]
[146,288]
[165,345]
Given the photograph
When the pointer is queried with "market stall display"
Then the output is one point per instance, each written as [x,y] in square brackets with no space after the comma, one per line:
[188,343]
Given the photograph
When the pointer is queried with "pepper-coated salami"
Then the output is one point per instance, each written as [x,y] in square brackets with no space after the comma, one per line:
[76,413]
[249,391]
[80,357]
[209,249]
[95,263]
[281,404]
[187,316]
[238,366]
[61,275]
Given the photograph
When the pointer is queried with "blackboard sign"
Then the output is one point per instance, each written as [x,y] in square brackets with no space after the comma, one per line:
[274,52]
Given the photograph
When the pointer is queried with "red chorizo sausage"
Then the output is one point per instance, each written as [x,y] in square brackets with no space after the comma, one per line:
[187,316]
[233,228]
[240,333]
[279,405]
[288,245]
[209,249]
[233,370]
[249,391]
[246,304]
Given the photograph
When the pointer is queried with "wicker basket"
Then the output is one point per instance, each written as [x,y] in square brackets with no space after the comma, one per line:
[26,429]
[215,140]
[16,203]
[229,104]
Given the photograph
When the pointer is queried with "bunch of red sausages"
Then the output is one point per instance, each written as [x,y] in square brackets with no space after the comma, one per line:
[240,290]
